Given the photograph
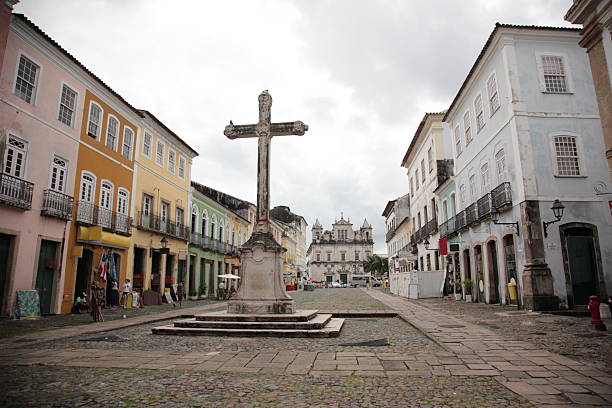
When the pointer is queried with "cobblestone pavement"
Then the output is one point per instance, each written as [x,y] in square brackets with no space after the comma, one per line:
[543,377]
[419,368]
[71,387]
[566,335]
[10,328]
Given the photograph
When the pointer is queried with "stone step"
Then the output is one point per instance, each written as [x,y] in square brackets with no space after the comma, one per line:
[317,322]
[298,316]
[332,329]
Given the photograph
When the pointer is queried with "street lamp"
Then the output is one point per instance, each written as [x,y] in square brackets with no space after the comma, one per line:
[557,210]
[495,218]
[426,243]
[164,248]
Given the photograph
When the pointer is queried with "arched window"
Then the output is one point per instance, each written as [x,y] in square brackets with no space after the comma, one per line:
[112,132]
[88,187]
[234,236]
[106,203]
[500,163]
[94,125]
[484,177]
[128,140]
[204,222]
[123,198]
[221,229]
[194,218]
[213,225]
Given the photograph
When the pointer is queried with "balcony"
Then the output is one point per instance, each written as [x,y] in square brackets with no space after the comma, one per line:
[93,215]
[460,221]
[501,195]
[57,205]
[164,226]
[471,214]
[16,192]
[447,228]
[211,244]
[484,205]
[431,227]
[389,235]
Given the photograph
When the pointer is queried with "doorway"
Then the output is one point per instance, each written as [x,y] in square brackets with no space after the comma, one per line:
[343,278]
[510,266]
[155,272]
[138,272]
[468,264]
[169,270]
[192,262]
[582,261]
[203,287]
[479,284]
[493,272]
[211,278]
[45,275]
[83,276]
[5,249]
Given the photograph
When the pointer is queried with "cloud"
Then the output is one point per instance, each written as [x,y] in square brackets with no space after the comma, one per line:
[359,73]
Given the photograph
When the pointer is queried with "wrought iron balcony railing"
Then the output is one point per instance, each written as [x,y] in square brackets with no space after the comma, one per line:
[16,192]
[162,225]
[57,205]
[211,244]
[501,195]
[471,214]
[447,228]
[484,204]
[91,214]
[460,221]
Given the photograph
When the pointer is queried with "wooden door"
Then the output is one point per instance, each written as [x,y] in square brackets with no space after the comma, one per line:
[47,263]
[583,270]
[5,246]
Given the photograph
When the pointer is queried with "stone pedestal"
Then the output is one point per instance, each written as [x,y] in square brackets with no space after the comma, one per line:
[261,269]
[538,291]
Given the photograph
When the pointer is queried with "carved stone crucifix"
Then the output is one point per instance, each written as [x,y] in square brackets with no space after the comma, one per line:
[264,130]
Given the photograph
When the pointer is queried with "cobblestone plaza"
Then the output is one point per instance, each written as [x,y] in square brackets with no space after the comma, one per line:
[437,353]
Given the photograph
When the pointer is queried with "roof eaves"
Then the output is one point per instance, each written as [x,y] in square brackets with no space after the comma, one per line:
[418,132]
[160,123]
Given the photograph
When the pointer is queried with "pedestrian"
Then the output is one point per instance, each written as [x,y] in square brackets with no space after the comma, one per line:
[114,293]
[221,294]
[179,294]
[96,303]
[127,289]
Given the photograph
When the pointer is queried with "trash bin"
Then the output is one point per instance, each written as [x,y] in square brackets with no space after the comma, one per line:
[512,291]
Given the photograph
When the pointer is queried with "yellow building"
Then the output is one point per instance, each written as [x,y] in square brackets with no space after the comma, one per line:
[158,255]
[236,234]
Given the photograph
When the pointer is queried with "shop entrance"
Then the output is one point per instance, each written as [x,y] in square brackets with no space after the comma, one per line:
[5,248]
[211,278]
[493,272]
[138,272]
[479,283]
[83,276]
[510,265]
[45,275]
[191,291]
[155,271]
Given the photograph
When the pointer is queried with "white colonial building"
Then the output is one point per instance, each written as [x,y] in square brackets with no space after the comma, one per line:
[337,255]
[525,132]
[399,230]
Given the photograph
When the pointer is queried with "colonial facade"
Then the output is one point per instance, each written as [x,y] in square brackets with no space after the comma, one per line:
[160,204]
[40,126]
[399,230]
[293,240]
[336,255]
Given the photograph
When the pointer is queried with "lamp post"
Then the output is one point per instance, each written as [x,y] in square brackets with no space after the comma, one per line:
[557,210]
[426,244]
[495,218]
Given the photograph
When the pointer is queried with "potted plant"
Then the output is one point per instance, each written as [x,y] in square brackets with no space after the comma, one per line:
[468,284]
[458,285]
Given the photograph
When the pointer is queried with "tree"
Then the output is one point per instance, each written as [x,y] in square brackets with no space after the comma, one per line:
[376,265]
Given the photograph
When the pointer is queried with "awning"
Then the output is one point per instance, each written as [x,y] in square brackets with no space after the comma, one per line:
[96,236]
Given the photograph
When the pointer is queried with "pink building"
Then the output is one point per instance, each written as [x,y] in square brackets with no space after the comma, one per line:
[41,104]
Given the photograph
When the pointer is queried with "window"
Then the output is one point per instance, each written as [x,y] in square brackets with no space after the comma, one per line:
[88,187]
[318,257]
[484,173]
[479,113]
[95,120]
[112,133]
[430,159]
[445,209]
[146,145]
[147,204]
[473,190]
[467,125]
[416,178]
[553,70]
[462,194]
[328,257]
[27,78]
[493,96]
[500,162]
[128,139]
[15,157]
[356,255]
[171,160]
[181,171]
[457,140]
[423,171]
[159,157]
[342,256]
[194,218]
[59,167]
[221,228]
[164,215]
[204,223]
[123,198]
[67,105]
[106,195]
[179,216]
[213,225]
[566,151]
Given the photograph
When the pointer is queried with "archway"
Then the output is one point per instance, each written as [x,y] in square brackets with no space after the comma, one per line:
[510,265]
[479,285]
[493,272]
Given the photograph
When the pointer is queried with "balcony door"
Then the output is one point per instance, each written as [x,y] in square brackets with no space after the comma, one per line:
[86,198]
[122,210]
[147,210]
[105,212]
[45,276]
[164,212]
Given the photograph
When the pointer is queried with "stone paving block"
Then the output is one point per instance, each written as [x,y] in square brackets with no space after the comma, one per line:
[443,373]
[538,381]
[546,399]
[580,379]
[394,365]
[326,356]
[480,366]
[408,373]
[522,388]
[354,354]
[257,364]
[599,389]
[367,360]
[604,379]
[559,381]
[547,389]
[324,367]
[402,358]
[586,399]
[541,374]
[573,388]
[239,369]
[455,367]
[472,373]
[332,373]
[209,365]
[370,373]
[272,370]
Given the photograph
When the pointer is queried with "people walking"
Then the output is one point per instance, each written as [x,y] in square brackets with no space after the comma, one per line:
[127,289]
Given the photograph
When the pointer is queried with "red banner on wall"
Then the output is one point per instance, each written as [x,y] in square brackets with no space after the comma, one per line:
[443,246]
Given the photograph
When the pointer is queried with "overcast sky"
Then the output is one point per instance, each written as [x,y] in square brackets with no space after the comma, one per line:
[360,73]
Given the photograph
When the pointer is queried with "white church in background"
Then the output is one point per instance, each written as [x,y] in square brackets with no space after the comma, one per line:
[338,255]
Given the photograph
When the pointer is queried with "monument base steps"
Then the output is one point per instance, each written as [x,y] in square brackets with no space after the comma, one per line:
[304,323]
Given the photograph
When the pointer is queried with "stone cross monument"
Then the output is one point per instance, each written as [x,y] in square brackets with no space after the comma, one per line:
[262,290]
